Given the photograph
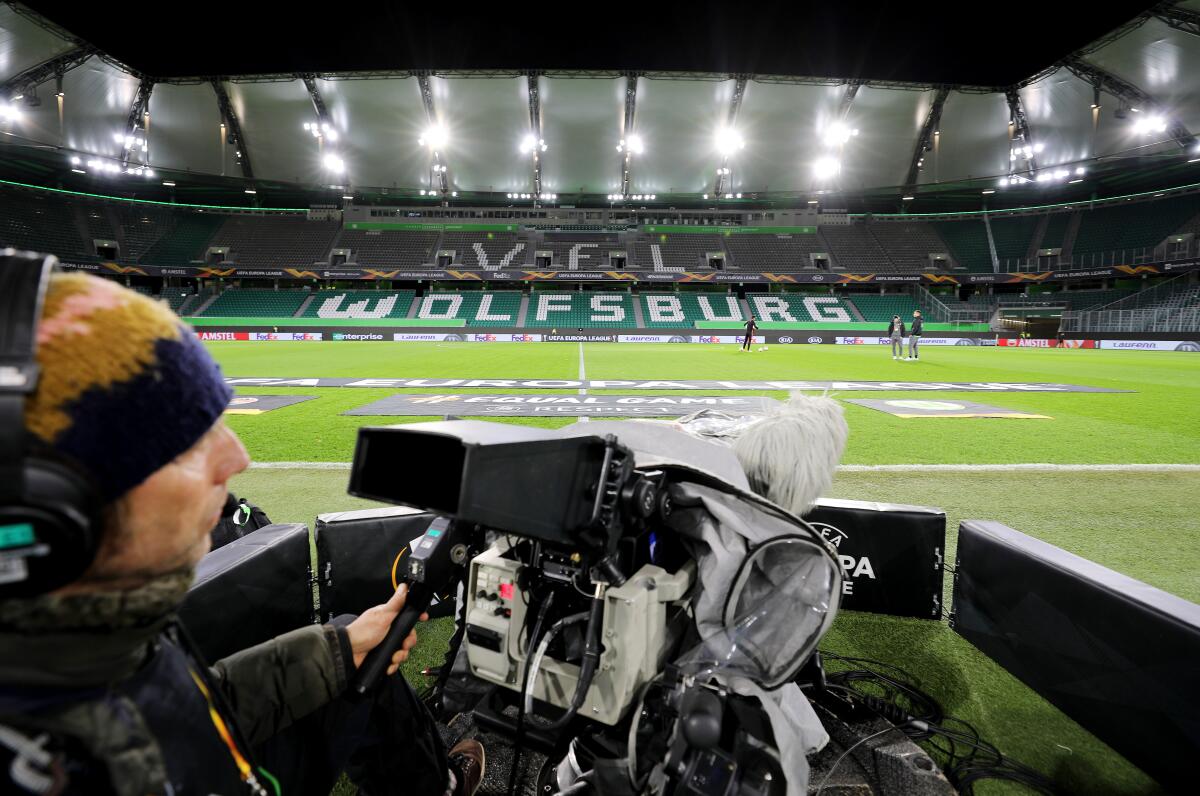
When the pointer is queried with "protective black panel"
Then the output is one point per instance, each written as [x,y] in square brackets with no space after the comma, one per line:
[250,590]
[356,551]
[891,555]
[1118,656]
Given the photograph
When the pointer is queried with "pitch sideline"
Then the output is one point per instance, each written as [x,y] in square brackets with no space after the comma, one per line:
[870,468]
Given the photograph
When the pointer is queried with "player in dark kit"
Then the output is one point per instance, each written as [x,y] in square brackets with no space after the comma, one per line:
[751,328]
[914,336]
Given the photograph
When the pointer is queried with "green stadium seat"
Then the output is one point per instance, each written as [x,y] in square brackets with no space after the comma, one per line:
[361,304]
[798,308]
[254,303]
[683,310]
[880,309]
[580,310]
[502,309]
[968,244]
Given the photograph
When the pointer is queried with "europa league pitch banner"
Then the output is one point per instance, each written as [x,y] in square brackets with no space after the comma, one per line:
[891,555]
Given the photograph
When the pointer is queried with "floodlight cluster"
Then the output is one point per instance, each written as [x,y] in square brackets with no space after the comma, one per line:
[322,129]
[10,113]
[132,141]
[1147,125]
[101,166]
[435,137]
[549,197]
[637,197]
[632,145]
[531,143]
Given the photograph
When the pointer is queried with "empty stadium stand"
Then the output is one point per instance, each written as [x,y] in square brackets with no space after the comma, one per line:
[580,251]
[683,310]
[881,308]
[389,249]
[489,251]
[773,253]
[251,302]
[854,249]
[968,244]
[1013,236]
[908,245]
[680,251]
[39,222]
[1055,235]
[476,307]
[1125,229]
[361,304]
[185,242]
[799,308]
[579,310]
[276,241]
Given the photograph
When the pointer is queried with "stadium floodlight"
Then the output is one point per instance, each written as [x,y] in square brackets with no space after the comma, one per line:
[902,199]
[149,172]
[826,168]
[528,143]
[334,163]
[989,190]
[435,137]
[9,113]
[1080,170]
[1150,124]
[633,145]
[79,171]
[422,192]
[729,141]
[1045,176]
[1061,173]
[250,191]
[454,194]
[75,160]
[169,183]
[839,133]
[1072,182]
[1038,147]
[705,196]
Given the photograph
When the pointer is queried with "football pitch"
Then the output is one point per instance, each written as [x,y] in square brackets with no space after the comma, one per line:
[1137,519]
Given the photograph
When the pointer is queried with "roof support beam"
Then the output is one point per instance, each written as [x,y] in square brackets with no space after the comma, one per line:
[626,147]
[724,174]
[1124,90]
[437,168]
[233,128]
[30,79]
[925,140]
[1020,131]
[137,110]
[535,129]
[1179,18]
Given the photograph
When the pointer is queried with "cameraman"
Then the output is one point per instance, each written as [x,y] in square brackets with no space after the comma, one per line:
[99,675]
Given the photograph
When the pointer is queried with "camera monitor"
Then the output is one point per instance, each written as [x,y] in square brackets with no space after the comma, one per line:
[525,481]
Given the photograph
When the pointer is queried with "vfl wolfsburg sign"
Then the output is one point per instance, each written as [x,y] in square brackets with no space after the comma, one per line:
[559,405]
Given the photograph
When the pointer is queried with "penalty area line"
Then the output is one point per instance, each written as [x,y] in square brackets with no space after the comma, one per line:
[871,468]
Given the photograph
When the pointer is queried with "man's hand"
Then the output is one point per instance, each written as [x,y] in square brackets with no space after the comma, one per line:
[369,629]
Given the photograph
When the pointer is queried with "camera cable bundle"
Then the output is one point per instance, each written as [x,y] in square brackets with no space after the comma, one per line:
[891,693]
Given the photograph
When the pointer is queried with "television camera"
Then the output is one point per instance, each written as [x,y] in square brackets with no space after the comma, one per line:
[632,610]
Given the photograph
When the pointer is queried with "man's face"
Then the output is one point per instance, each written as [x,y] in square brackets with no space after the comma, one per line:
[163,524]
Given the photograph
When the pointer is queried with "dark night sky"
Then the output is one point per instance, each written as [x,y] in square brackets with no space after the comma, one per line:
[938,42]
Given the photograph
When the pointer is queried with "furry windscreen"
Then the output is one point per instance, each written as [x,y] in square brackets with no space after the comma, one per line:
[790,456]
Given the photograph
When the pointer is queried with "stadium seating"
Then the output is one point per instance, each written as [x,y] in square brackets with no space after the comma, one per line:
[276,241]
[579,310]
[490,251]
[909,244]
[968,244]
[880,309]
[176,297]
[1013,236]
[389,249]
[503,307]
[39,222]
[683,310]
[361,304]
[773,253]
[855,249]
[580,252]
[1056,231]
[798,308]
[255,303]
[98,223]
[683,251]
[186,242]
[1132,226]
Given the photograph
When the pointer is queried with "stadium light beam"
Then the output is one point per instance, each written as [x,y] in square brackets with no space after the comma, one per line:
[729,141]
[435,137]
[839,133]
[826,168]
[333,163]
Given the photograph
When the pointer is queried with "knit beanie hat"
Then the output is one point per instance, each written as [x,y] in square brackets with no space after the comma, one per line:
[124,387]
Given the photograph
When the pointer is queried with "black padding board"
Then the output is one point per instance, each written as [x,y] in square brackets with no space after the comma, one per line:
[250,590]
[1118,656]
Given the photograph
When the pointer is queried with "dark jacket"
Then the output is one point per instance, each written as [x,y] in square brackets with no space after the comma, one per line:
[892,325]
[128,713]
[918,323]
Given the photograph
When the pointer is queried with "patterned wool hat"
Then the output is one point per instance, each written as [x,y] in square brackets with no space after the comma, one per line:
[125,387]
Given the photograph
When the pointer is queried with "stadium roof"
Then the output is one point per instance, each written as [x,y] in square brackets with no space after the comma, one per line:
[793,86]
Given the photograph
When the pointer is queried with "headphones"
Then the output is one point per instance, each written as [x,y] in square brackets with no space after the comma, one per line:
[49,509]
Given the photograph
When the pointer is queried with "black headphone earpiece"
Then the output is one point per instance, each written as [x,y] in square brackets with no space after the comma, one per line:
[50,511]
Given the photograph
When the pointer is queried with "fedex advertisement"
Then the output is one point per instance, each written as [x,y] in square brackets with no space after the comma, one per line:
[924,341]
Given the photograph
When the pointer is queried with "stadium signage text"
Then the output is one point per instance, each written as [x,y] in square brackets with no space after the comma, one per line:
[526,275]
[629,384]
[562,405]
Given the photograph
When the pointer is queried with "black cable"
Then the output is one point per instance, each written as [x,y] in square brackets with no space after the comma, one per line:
[520,734]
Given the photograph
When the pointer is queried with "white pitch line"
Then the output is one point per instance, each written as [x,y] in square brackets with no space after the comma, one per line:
[582,378]
[873,468]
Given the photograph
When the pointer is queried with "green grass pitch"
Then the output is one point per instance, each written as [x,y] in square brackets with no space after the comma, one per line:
[1143,524]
